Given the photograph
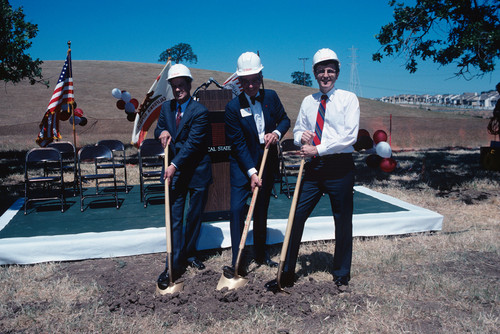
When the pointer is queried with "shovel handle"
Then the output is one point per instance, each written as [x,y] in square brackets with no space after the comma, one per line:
[251,209]
[289,224]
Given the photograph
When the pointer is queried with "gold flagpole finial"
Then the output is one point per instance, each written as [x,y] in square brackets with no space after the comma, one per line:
[69,45]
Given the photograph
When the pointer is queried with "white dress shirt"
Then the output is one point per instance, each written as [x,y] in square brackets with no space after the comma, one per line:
[340,129]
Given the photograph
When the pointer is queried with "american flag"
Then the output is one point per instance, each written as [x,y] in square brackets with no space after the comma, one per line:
[63,94]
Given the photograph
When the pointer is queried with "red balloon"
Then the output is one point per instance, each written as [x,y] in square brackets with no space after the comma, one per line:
[379,136]
[78,112]
[135,103]
[120,104]
[388,165]
[363,133]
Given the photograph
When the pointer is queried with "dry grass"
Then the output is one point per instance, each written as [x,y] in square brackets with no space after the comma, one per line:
[445,282]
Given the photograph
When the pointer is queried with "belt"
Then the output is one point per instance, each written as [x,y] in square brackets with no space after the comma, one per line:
[330,157]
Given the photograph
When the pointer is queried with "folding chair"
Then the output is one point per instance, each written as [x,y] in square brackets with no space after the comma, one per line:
[120,157]
[150,156]
[288,150]
[68,154]
[88,158]
[43,167]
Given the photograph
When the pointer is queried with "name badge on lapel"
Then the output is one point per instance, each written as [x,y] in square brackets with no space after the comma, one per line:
[245,112]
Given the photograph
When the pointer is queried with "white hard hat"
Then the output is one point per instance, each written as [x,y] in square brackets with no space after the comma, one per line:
[248,64]
[324,55]
[179,70]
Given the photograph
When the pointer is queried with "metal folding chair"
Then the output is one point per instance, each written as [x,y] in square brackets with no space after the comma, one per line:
[42,169]
[68,154]
[288,153]
[150,155]
[118,150]
[88,158]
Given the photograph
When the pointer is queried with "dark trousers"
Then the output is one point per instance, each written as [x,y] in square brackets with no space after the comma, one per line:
[185,236]
[239,196]
[325,178]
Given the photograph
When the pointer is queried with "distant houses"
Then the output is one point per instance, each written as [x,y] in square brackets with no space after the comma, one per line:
[485,100]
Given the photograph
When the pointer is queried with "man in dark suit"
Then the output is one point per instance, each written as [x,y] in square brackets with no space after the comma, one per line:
[254,119]
[184,123]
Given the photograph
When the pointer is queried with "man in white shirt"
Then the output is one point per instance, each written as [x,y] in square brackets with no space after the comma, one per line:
[326,129]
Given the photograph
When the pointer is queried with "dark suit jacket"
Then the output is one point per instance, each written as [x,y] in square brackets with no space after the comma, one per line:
[241,133]
[189,144]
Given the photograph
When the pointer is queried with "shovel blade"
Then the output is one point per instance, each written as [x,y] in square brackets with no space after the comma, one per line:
[231,283]
[172,288]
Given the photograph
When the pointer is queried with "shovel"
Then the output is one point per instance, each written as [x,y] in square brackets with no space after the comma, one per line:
[237,281]
[172,287]
[288,232]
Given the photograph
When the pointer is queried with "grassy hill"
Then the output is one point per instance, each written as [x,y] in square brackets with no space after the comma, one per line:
[23,106]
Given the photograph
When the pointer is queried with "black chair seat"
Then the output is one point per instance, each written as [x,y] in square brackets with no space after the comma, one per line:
[151,155]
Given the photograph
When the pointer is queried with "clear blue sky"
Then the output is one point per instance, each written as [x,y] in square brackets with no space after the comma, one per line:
[219,31]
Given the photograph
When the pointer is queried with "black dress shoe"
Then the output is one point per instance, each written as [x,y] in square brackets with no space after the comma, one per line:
[163,280]
[267,261]
[228,271]
[286,280]
[342,282]
[197,264]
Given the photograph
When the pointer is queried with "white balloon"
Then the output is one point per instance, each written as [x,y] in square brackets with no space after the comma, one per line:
[116,93]
[126,96]
[129,107]
[383,149]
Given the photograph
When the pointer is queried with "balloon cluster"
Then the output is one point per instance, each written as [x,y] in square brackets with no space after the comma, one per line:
[383,157]
[125,102]
[65,114]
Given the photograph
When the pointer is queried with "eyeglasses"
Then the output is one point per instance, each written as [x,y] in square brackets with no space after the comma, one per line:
[326,71]
[253,82]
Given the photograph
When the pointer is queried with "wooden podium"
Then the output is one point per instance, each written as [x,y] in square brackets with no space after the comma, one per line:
[218,204]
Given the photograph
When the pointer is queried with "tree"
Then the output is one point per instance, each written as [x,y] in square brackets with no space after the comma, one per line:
[301,78]
[179,52]
[465,32]
[15,34]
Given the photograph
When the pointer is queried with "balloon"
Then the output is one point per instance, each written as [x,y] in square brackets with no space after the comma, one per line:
[135,103]
[64,115]
[131,117]
[129,107]
[126,96]
[363,143]
[373,161]
[379,136]
[363,133]
[78,112]
[388,165]
[120,104]
[83,121]
[77,120]
[116,93]
[383,149]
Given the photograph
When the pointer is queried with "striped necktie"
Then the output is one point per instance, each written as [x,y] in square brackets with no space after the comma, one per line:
[320,120]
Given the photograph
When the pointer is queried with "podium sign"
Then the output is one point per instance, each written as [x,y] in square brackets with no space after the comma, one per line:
[218,204]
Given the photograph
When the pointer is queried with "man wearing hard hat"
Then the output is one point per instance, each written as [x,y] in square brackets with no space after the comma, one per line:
[326,129]
[184,122]
[254,119]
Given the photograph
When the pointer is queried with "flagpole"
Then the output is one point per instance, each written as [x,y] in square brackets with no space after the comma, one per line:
[70,105]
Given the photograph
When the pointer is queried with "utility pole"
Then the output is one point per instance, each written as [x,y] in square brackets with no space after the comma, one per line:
[304,71]
[354,85]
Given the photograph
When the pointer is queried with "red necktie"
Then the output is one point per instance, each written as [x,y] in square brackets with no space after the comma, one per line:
[320,120]
[179,116]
